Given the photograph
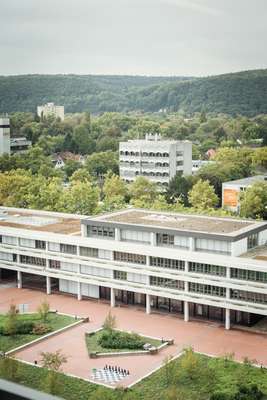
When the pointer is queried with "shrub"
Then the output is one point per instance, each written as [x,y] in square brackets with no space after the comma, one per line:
[41,329]
[24,327]
[221,396]
[121,340]
[43,310]
[10,327]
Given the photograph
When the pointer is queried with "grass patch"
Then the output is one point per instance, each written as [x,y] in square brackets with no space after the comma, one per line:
[184,378]
[54,320]
[93,346]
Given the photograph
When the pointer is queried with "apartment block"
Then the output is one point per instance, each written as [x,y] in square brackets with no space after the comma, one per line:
[51,109]
[4,135]
[197,266]
[156,159]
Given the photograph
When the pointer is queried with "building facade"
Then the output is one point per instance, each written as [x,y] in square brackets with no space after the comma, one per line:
[157,160]
[197,266]
[4,135]
[232,189]
[51,109]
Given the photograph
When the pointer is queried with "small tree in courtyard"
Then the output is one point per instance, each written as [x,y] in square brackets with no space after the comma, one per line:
[43,310]
[110,322]
[53,362]
[10,327]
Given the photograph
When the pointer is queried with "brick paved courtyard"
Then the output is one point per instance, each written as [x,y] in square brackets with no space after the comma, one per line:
[204,337]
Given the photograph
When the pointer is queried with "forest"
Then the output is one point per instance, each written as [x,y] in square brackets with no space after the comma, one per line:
[243,93]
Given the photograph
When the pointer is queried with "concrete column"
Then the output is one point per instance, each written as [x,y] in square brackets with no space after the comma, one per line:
[112,297]
[153,239]
[186,311]
[148,306]
[117,234]
[186,266]
[19,279]
[147,261]
[48,285]
[186,286]
[192,246]
[227,319]
[79,291]
[84,230]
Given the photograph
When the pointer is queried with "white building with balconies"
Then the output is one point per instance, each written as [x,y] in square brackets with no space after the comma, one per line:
[196,266]
[4,135]
[157,160]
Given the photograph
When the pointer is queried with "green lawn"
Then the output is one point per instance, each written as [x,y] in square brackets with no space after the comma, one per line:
[54,320]
[182,380]
[93,345]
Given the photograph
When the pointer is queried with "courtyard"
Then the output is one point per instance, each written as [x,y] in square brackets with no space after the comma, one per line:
[205,337]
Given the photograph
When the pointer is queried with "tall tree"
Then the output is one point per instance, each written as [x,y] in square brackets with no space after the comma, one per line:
[253,201]
[202,196]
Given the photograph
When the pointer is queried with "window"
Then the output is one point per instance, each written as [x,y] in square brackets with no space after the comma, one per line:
[33,260]
[167,283]
[207,289]
[213,246]
[165,239]
[54,264]
[135,236]
[178,163]
[11,240]
[68,248]
[248,296]
[40,244]
[252,240]
[179,153]
[8,257]
[248,275]
[88,252]
[129,257]
[104,231]
[167,263]
[207,269]
[121,275]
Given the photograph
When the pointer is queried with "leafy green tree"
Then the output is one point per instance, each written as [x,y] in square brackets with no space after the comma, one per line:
[114,191]
[253,201]
[81,198]
[179,187]
[99,164]
[202,196]
[110,322]
[53,362]
[84,143]
[143,192]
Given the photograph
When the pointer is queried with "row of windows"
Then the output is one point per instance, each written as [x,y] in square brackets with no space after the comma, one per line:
[207,269]
[104,231]
[248,296]
[121,275]
[129,257]
[248,275]
[253,240]
[33,260]
[207,289]
[167,283]
[88,252]
[144,164]
[150,173]
[145,154]
[165,239]
[167,263]
[68,248]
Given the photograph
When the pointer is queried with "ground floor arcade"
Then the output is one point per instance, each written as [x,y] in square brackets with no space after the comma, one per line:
[150,303]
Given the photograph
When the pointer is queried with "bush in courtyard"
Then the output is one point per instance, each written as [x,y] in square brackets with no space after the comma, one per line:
[43,310]
[221,396]
[41,329]
[251,392]
[24,327]
[121,340]
[110,322]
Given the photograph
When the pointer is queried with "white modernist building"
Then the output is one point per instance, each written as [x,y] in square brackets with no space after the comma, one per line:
[156,159]
[51,109]
[4,135]
[199,266]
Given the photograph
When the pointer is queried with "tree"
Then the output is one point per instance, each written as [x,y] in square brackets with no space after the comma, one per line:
[98,164]
[143,192]
[253,201]
[110,322]
[43,310]
[114,191]
[53,362]
[84,143]
[202,196]
[190,365]
[10,327]
[178,188]
[80,197]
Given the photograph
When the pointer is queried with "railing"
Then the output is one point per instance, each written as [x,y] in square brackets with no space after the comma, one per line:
[13,391]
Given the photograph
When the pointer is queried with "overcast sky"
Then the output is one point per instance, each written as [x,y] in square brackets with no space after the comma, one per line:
[144,37]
